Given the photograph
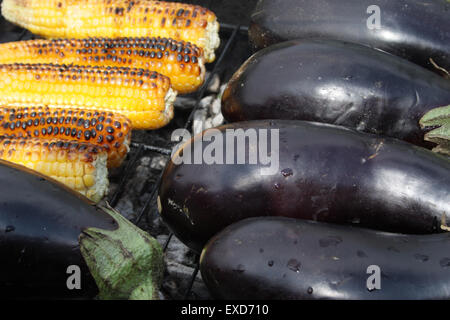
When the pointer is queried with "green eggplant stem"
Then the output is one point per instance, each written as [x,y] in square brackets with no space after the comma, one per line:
[126,263]
[439,119]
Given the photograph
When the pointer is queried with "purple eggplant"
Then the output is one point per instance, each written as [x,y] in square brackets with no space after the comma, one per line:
[48,233]
[282,258]
[338,83]
[319,172]
[415,30]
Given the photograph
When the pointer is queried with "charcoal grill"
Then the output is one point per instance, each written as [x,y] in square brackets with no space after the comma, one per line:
[234,50]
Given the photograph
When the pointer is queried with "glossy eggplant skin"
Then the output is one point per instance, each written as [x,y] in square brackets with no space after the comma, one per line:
[338,83]
[282,258]
[325,173]
[40,223]
[415,30]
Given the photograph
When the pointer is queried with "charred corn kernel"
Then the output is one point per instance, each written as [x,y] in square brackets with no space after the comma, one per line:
[180,61]
[36,154]
[148,105]
[115,19]
[107,129]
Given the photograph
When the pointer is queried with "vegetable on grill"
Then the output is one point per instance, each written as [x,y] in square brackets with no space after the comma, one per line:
[182,62]
[338,83]
[80,166]
[415,30]
[277,258]
[314,171]
[47,232]
[111,131]
[145,97]
[115,19]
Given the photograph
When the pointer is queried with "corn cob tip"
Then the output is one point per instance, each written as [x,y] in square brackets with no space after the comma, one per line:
[80,166]
[212,40]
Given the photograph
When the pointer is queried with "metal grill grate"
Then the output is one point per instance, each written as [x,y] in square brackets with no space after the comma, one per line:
[229,35]
[167,152]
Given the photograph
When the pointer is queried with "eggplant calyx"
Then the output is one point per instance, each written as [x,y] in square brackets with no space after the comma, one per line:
[439,120]
[126,263]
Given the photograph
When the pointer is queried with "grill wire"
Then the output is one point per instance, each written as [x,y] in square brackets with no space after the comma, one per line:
[229,34]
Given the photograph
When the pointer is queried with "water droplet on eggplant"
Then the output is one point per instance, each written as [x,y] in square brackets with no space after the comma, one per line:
[330,241]
[361,254]
[239,269]
[445,262]
[287,172]
[294,265]
[421,257]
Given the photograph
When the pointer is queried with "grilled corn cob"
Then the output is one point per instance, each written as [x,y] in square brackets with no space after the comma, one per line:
[181,62]
[111,131]
[144,97]
[80,166]
[116,18]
